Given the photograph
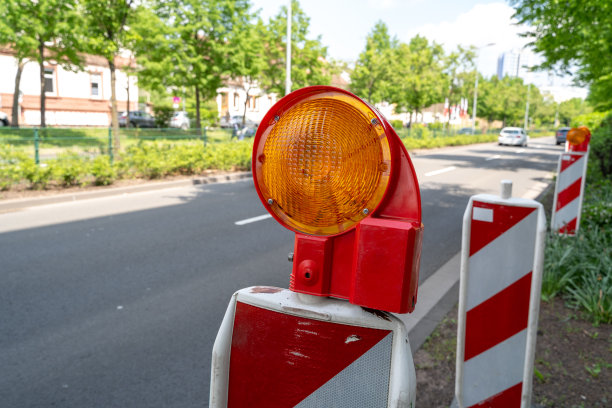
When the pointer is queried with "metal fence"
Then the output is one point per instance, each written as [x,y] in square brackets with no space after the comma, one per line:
[50,143]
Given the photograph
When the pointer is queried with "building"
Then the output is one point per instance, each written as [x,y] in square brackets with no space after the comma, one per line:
[73,98]
[231,99]
[508,64]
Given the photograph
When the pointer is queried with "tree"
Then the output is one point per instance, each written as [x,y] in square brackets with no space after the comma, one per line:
[43,30]
[417,80]
[573,33]
[106,24]
[502,100]
[192,44]
[459,69]
[308,56]
[371,77]
[571,108]
[248,63]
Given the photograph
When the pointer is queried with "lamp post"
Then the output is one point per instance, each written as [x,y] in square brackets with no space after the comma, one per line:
[288,67]
[476,89]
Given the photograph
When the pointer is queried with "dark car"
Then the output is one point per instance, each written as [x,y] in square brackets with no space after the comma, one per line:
[137,119]
[465,131]
[561,135]
[4,120]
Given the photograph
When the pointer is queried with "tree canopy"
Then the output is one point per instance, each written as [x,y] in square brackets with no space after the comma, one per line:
[573,33]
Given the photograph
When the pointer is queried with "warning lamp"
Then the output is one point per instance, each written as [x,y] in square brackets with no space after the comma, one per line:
[578,139]
[329,167]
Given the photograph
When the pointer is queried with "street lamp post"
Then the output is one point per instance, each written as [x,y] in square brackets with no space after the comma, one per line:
[288,72]
[476,90]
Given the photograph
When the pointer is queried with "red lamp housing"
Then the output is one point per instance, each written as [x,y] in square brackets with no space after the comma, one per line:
[329,166]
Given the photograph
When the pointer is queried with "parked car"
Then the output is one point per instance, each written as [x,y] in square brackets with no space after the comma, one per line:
[137,119]
[180,120]
[465,131]
[4,120]
[513,136]
[561,135]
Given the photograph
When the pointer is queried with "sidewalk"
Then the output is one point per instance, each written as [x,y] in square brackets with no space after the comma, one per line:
[97,192]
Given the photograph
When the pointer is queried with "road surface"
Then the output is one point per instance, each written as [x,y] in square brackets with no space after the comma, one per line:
[116,301]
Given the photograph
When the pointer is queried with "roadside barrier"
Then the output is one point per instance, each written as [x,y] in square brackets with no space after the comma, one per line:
[499,299]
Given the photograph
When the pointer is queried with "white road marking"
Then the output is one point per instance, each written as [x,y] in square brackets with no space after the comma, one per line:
[520,151]
[436,172]
[254,219]
[497,156]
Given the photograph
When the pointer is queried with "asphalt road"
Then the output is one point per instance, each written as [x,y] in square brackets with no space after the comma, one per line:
[116,301]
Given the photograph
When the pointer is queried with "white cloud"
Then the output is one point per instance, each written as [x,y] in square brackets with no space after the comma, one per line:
[493,23]
[483,24]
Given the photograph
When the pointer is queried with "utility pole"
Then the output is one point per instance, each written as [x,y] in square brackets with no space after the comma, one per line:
[527,107]
[475,104]
[288,73]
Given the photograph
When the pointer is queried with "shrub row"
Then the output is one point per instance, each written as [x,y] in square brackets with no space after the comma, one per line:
[147,159]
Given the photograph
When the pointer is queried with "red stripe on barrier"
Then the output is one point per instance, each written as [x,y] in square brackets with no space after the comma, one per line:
[277,360]
[510,397]
[569,194]
[497,318]
[504,218]
[569,228]
[571,159]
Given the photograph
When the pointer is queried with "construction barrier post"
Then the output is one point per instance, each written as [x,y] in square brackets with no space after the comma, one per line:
[499,299]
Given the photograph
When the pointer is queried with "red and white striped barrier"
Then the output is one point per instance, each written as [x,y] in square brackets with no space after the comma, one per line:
[569,190]
[499,299]
[278,348]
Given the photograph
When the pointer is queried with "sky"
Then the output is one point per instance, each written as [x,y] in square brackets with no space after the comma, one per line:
[344,24]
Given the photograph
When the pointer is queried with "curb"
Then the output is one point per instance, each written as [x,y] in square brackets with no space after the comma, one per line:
[20,203]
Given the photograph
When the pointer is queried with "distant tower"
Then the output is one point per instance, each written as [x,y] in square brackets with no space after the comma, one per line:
[508,64]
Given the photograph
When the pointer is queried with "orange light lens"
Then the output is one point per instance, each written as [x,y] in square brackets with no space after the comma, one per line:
[324,163]
[576,135]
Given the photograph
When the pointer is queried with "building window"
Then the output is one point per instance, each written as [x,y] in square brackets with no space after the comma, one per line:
[49,80]
[236,100]
[96,85]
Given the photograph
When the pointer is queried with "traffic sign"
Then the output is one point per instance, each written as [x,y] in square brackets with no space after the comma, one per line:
[499,298]
[278,348]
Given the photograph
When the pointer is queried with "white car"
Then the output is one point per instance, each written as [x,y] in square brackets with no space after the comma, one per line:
[180,120]
[513,136]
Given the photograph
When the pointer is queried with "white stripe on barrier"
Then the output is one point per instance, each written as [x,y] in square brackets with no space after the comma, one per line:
[571,174]
[566,214]
[355,388]
[483,214]
[480,271]
[487,383]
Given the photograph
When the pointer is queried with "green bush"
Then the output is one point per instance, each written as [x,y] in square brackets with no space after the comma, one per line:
[38,175]
[436,126]
[11,167]
[162,114]
[397,124]
[103,172]
[600,156]
[591,120]
[69,169]
[597,205]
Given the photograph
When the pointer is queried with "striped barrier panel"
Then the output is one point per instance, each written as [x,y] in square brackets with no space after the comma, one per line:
[499,299]
[569,190]
[277,348]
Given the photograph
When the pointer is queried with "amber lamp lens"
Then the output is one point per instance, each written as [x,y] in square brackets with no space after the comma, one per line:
[576,135]
[323,164]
